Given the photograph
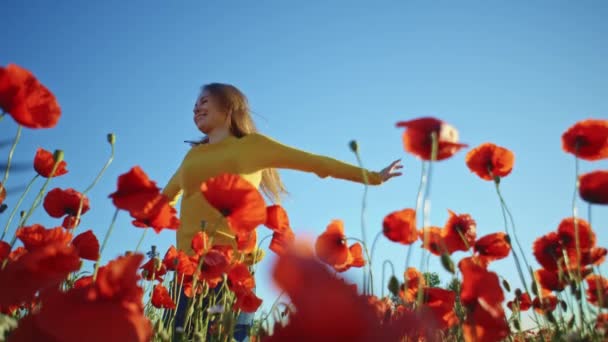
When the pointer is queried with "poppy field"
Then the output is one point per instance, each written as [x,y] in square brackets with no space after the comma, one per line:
[47,295]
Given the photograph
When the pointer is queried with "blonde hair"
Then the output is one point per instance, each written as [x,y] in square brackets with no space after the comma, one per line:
[235,102]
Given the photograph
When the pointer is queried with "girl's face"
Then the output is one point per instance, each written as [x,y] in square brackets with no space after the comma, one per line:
[208,115]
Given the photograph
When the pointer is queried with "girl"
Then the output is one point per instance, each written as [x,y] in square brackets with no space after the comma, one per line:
[232,145]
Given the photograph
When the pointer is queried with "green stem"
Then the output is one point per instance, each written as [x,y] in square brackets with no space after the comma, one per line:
[95,181]
[40,193]
[427,209]
[383,274]
[10,155]
[371,252]
[16,207]
[577,238]
[363,207]
[141,239]
[105,241]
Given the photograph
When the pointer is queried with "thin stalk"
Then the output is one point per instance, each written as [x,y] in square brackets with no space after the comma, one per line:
[141,239]
[371,278]
[16,207]
[10,155]
[105,241]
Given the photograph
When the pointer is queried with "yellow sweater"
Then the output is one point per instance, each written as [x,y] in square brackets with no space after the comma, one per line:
[247,157]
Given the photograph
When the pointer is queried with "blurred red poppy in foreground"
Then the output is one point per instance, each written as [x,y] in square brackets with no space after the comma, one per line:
[28,101]
[482,296]
[237,200]
[593,187]
[110,309]
[489,160]
[417,138]
[587,139]
[328,309]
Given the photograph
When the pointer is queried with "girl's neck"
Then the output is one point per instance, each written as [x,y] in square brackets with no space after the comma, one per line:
[218,135]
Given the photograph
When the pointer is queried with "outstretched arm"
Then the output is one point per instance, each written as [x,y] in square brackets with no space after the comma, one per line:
[269,153]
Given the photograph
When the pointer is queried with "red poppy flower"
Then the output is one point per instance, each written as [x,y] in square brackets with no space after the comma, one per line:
[355,258]
[2,193]
[158,215]
[17,253]
[240,279]
[276,218]
[432,240]
[161,298]
[400,226]
[331,246]
[417,138]
[170,259]
[493,246]
[28,101]
[460,232]
[522,300]
[237,200]
[114,300]
[70,222]
[153,269]
[247,301]
[200,243]
[548,303]
[489,160]
[602,323]
[587,139]
[135,192]
[215,264]
[593,187]
[357,253]
[36,236]
[83,282]
[5,250]
[550,280]
[594,256]
[410,287]
[44,162]
[281,241]
[597,290]
[566,232]
[548,251]
[344,316]
[87,245]
[39,269]
[441,302]
[59,203]
[482,296]
[246,242]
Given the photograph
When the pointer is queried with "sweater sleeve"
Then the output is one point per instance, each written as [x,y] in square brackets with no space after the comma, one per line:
[173,190]
[269,153]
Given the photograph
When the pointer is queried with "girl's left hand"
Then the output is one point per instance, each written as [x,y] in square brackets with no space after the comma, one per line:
[390,171]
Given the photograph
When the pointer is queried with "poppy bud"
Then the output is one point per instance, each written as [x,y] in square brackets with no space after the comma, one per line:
[353,146]
[447,263]
[506,285]
[3,207]
[111,138]
[393,285]
[58,156]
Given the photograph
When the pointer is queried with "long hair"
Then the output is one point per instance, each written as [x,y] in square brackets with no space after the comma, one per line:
[233,101]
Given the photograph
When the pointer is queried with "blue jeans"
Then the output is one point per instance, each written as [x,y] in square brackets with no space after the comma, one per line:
[241,330]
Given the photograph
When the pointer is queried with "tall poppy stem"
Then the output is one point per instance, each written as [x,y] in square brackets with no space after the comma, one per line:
[577,238]
[141,239]
[112,140]
[370,289]
[16,206]
[426,210]
[354,147]
[105,241]
[10,155]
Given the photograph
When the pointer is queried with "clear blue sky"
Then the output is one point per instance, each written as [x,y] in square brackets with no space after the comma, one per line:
[317,75]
